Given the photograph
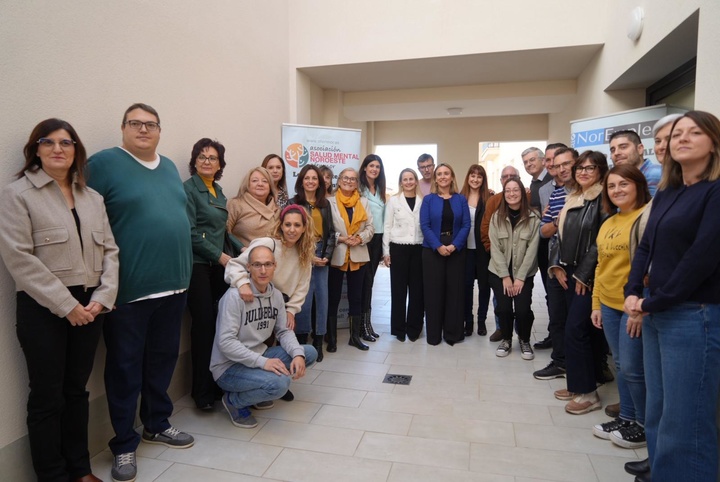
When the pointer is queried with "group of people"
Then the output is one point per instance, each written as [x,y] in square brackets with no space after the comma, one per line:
[118,245]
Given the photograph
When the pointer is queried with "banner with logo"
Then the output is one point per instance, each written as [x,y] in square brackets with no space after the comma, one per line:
[594,133]
[333,147]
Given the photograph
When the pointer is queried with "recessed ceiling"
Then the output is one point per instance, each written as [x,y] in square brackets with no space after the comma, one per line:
[677,48]
[486,68]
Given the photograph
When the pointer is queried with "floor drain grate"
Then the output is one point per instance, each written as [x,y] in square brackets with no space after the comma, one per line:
[397,379]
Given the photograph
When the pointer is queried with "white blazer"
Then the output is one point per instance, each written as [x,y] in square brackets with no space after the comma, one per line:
[402,224]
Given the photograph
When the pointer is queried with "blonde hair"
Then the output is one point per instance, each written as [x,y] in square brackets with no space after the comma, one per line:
[245,186]
[453,184]
[305,246]
[417,182]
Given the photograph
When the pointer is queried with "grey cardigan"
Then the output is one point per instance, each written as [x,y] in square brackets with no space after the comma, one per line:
[41,248]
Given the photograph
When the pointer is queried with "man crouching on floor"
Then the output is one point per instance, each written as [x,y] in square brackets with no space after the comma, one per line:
[250,373]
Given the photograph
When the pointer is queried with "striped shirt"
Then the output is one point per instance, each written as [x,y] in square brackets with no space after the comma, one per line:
[555,205]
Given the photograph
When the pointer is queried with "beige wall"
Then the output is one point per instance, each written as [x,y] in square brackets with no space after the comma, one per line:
[215,69]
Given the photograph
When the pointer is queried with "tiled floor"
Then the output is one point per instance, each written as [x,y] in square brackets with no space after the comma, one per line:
[467,415]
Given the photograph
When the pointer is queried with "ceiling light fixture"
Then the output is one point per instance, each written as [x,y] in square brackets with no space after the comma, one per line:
[454,111]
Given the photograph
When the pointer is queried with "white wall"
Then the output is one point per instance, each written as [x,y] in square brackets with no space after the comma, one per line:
[216,68]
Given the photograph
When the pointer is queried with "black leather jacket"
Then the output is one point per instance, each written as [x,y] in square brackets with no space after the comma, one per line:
[577,246]
[325,247]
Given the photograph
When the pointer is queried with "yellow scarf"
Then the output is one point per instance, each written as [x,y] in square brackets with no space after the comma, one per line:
[359,217]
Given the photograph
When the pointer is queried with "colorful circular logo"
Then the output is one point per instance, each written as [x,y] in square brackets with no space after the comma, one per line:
[296,155]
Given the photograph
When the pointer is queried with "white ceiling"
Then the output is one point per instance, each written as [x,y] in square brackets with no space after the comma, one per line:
[526,66]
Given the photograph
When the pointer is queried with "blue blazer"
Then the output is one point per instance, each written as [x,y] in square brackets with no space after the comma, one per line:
[431,218]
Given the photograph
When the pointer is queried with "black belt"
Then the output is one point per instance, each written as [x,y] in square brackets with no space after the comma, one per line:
[446,233]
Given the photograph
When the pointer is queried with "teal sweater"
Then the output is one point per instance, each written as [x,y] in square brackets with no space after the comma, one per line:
[147,212]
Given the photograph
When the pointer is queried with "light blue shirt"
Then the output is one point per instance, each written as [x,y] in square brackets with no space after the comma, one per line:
[377,209]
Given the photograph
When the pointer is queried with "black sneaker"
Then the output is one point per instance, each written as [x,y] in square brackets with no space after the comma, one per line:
[549,372]
[631,437]
[603,430]
[543,344]
[504,348]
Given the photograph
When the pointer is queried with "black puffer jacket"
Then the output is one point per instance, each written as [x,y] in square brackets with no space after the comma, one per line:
[580,221]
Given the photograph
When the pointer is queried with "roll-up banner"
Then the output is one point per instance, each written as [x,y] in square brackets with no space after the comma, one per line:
[594,133]
[333,147]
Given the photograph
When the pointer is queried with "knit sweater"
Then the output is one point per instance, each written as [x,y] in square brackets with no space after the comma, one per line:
[679,248]
[242,329]
[147,212]
[290,278]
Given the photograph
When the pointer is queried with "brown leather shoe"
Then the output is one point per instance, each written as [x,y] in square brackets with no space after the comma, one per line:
[564,394]
[88,478]
[496,336]
[583,403]
[613,410]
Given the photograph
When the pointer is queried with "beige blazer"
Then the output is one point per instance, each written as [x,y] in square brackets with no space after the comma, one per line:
[41,249]
[359,253]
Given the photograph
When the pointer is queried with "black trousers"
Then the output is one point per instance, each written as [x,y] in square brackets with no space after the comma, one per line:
[375,251]
[585,345]
[443,284]
[59,359]
[523,313]
[355,281]
[207,286]
[406,284]
[558,312]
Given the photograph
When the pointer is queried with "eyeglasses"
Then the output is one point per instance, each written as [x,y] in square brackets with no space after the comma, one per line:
[588,169]
[564,165]
[210,159]
[426,168]
[137,125]
[64,144]
[532,159]
[348,179]
[259,266]
[512,191]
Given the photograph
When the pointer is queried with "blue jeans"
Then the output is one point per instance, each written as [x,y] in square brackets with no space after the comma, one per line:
[247,386]
[628,356]
[682,371]
[319,289]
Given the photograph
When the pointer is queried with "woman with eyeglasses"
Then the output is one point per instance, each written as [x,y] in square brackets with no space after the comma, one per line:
[276,167]
[625,200]
[353,223]
[56,242]
[207,212]
[253,212]
[572,262]
[476,191]
[445,223]
[514,237]
[372,188]
[293,243]
[673,292]
[402,249]
[310,189]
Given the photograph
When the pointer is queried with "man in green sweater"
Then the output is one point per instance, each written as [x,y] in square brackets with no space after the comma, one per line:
[146,205]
